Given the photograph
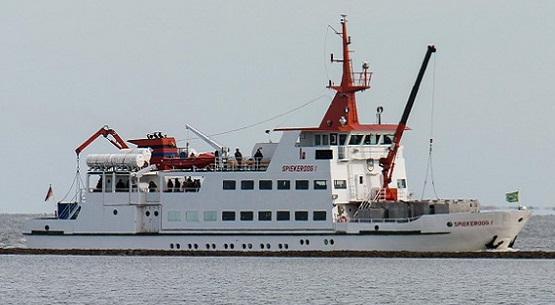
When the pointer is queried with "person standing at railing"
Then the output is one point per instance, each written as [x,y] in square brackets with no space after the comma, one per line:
[238,158]
[257,158]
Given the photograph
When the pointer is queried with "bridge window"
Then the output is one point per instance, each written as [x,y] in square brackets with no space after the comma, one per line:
[370,139]
[333,139]
[387,139]
[317,140]
[342,138]
[401,183]
[355,139]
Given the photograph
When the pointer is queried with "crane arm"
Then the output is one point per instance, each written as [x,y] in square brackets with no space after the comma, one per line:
[387,163]
[105,131]
[207,139]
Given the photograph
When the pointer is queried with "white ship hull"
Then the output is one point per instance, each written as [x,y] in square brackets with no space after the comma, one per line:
[469,232]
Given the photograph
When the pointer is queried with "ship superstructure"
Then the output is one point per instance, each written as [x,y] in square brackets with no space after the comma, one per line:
[338,186]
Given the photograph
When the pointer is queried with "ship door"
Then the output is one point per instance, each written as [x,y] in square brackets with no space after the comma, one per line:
[360,187]
[150,219]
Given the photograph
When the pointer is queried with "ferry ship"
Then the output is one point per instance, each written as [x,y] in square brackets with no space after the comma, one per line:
[338,186]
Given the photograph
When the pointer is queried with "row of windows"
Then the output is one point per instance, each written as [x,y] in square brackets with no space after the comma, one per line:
[356,139]
[248,215]
[283,184]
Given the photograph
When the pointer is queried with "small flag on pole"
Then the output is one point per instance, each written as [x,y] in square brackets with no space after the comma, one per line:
[512,196]
[49,194]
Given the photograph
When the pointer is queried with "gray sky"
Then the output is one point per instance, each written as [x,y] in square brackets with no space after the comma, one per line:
[69,67]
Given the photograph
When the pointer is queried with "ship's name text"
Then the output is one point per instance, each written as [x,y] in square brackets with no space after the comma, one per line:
[298,168]
[473,223]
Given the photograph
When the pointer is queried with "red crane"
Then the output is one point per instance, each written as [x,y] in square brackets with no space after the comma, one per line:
[387,163]
[105,131]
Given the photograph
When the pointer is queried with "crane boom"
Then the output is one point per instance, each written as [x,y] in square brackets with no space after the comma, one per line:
[387,163]
[104,131]
[222,149]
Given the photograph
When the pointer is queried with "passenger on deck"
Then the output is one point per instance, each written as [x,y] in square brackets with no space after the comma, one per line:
[238,158]
[257,158]
[170,185]
[188,185]
[120,186]
[177,185]
[152,186]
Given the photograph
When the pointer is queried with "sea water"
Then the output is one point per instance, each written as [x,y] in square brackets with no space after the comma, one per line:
[59,279]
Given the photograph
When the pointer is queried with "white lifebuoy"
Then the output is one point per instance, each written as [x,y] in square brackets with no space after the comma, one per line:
[342,218]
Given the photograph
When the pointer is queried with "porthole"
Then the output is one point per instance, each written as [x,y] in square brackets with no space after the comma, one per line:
[268,246]
[302,242]
[196,246]
[225,246]
[171,246]
[332,242]
[208,246]
[47,228]
[189,246]
[250,246]
[115,212]
[449,224]
[280,246]
[232,246]
[307,242]
[376,227]
[147,213]
[156,213]
[244,246]
[213,246]
[325,242]
[261,246]
[520,219]
[178,246]
[286,246]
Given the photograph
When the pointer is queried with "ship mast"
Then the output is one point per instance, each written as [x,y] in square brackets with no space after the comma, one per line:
[342,112]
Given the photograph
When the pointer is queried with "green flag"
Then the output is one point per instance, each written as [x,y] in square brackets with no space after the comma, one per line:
[512,196]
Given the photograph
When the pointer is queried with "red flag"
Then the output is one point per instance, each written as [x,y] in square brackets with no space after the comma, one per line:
[49,194]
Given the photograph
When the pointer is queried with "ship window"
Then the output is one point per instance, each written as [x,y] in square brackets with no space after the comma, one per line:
[320,184]
[247,184]
[228,215]
[386,139]
[265,184]
[246,216]
[301,185]
[229,184]
[283,215]
[95,182]
[301,215]
[355,139]
[264,215]
[333,139]
[319,215]
[317,140]
[283,184]
[340,184]
[191,216]
[324,154]
[210,215]
[174,216]
[401,183]
[370,139]
[325,139]
[342,139]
